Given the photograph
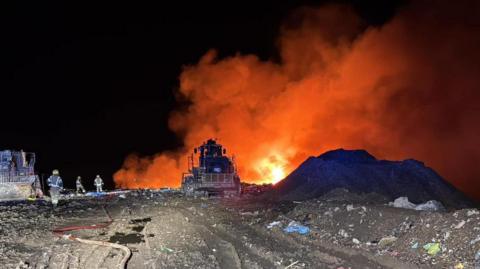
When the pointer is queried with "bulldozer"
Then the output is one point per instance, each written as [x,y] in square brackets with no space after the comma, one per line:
[17,176]
[211,172]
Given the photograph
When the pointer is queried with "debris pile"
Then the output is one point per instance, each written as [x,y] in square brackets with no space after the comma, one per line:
[421,237]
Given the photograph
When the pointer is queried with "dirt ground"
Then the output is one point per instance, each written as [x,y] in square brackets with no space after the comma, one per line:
[167,230]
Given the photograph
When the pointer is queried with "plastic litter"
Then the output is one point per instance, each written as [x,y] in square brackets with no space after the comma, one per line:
[292,264]
[474,241]
[295,227]
[403,202]
[472,212]
[432,248]
[273,224]
[477,260]
[387,241]
[95,194]
[415,246]
[431,205]
[460,225]
[459,266]
[167,250]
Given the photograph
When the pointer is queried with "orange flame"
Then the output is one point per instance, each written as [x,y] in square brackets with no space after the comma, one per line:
[406,89]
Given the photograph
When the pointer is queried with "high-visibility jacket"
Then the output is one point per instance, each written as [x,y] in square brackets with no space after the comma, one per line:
[55,181]
[98,181]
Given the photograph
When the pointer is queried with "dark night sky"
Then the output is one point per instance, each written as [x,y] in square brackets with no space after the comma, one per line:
[83,85]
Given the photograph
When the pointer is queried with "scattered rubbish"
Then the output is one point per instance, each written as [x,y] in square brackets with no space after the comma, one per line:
[431,205]
[385,241]
[447,235]
[249,213]
[123,196]
[273,224]
[350,208]
[203,205]
[342,233]
[166,250]
[403,202]
[166,190]
[394,253]
[472,212]
[95,194]
[292,264]
[460,225]
[474,241]
[356,241]
[295,227]
[459,266]
[415,246]
[432,248]
[477,260]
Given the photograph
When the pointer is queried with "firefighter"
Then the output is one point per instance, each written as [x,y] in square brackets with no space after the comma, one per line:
[98,183]
[56,185]
[79,185]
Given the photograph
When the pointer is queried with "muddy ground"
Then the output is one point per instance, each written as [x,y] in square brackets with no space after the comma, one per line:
[167,230]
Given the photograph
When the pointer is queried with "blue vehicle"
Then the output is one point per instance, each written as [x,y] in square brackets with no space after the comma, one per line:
[214,173]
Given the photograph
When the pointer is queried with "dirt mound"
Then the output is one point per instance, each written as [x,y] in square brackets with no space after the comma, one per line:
[359,172]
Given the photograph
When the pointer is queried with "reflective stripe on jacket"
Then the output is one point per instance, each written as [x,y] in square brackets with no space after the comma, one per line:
[55,182]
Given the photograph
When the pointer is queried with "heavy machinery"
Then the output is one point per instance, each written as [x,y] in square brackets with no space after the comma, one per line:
[17,175]
[214,174]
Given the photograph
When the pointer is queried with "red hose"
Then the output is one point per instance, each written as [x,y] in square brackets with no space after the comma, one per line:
[60,231]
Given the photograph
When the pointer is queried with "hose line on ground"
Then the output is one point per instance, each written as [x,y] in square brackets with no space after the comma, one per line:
[61,232]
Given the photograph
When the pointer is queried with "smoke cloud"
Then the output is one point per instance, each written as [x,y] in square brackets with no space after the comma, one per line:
[407,89]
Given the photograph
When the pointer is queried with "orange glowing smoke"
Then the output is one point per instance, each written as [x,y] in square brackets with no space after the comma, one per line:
[409,88]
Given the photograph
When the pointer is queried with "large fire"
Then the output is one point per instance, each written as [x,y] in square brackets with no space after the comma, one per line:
[271,169]
[409,88]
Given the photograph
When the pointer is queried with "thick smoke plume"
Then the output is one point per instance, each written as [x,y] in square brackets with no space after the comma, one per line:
[407,89]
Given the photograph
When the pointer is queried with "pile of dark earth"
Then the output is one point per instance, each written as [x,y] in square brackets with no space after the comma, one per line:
[360,172]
